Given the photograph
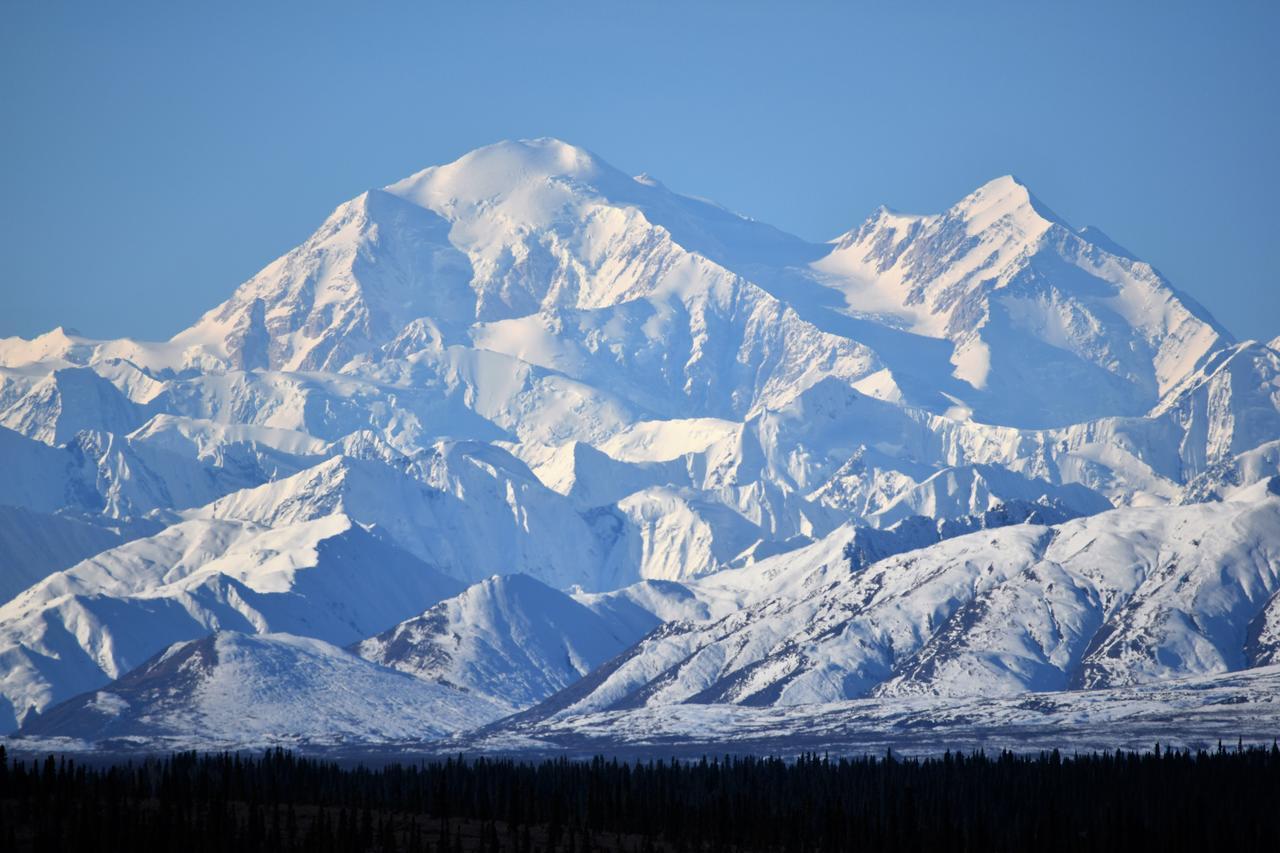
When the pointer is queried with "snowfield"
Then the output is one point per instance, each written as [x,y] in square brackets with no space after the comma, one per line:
[1191,713]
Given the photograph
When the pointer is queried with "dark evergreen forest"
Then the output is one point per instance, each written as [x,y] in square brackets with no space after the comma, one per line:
[1224,799]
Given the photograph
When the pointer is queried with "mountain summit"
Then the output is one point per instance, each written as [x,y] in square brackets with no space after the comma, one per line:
[494,249]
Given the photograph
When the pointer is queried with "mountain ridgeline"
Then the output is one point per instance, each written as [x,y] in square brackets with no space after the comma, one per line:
[522,434]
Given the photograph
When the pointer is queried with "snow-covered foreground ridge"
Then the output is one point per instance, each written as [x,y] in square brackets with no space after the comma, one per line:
[1130,596]
[656,411]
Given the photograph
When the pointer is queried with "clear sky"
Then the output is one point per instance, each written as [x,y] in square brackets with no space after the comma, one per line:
[157,155]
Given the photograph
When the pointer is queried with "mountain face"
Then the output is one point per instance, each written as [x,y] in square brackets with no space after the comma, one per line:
[512,640]
[1027,302]
[327,578]
[34,545]
[1130,596]
[541,254]
[241,690]
[642,412]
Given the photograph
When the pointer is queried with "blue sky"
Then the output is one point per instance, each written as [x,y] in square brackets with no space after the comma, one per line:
[156,156]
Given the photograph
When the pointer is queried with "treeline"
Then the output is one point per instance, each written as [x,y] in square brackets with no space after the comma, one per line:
[1224,799]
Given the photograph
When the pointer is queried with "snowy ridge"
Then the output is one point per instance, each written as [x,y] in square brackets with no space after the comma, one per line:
[82,627]
[511,639]
[1027,301]
[633,408]
[240,691]
[1125,597]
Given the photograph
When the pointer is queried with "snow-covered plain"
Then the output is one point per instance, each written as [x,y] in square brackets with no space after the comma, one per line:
[636,408]
[1189,713]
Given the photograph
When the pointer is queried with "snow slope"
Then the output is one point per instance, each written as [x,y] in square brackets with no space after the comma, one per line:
[510,639]
[80,628]
[33,545]
[1049,327]
[1129,596]
[232,690]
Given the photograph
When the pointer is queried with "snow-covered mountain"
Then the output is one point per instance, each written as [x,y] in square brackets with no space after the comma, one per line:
[1050,325]
[1129,596]
[236,690]
[511,639]
[633,407]
[34,545]
[327,578]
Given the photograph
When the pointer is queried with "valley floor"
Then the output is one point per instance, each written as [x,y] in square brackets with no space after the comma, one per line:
[1193,713]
